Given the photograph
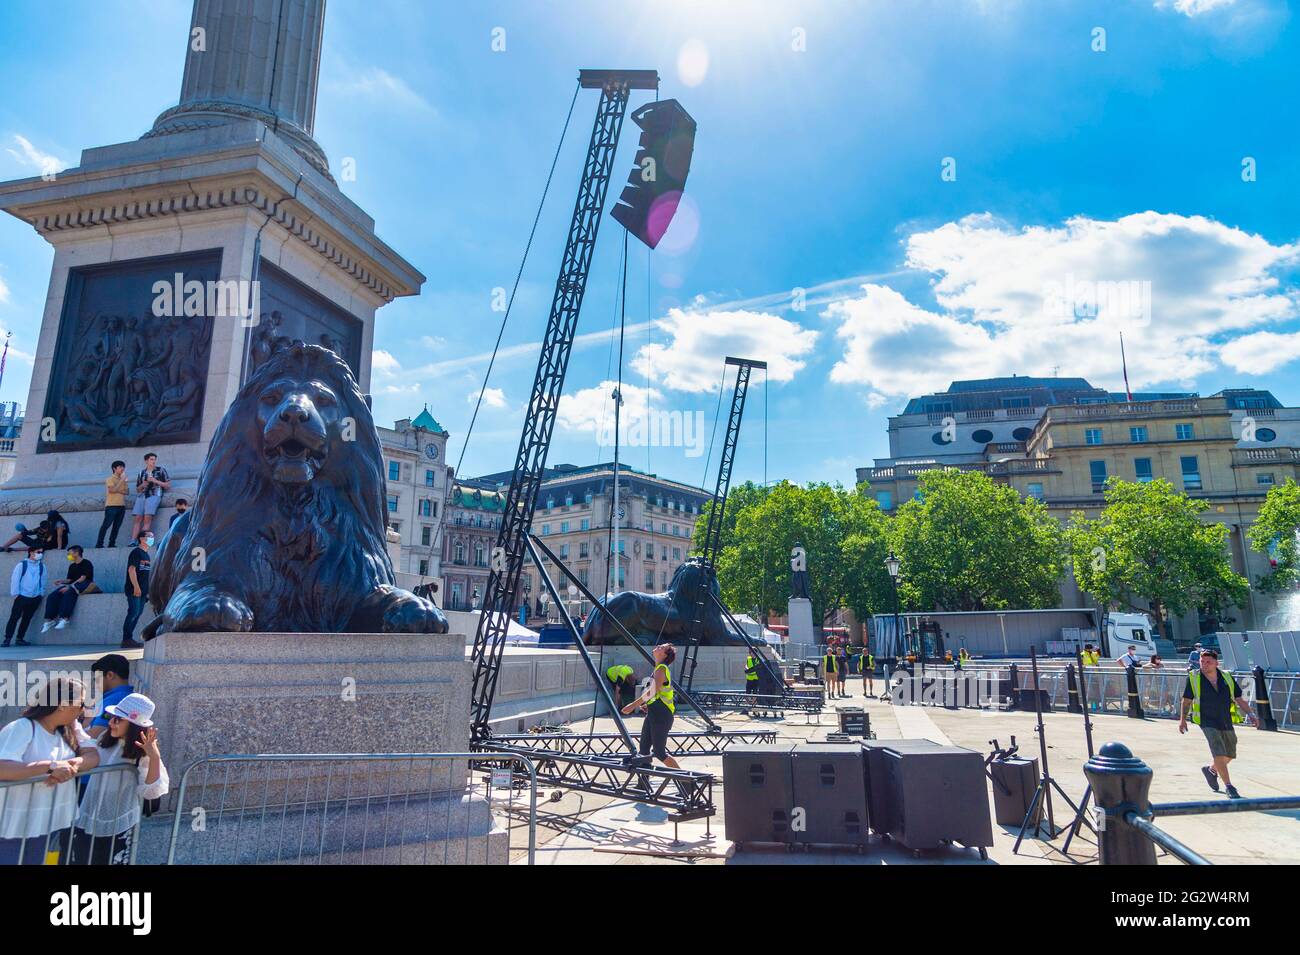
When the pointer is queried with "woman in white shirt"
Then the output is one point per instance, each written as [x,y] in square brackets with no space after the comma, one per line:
[41,753]
[110,806]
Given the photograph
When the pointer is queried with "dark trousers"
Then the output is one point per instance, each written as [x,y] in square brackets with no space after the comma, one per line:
[112,524]
[654,731]
[61,602]
[24,609]
[134,607]
[101,850]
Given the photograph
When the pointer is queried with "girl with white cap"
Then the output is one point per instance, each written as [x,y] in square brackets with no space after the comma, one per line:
[110,807]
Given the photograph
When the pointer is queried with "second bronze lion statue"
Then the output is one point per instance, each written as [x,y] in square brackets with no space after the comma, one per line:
[660,618]
[287,532]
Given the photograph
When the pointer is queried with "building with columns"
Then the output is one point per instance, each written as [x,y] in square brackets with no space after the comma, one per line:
[473,521]
[418,481]
[656,521]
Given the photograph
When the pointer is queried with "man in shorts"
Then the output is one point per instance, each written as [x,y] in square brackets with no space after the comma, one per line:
[1213,699]
[149,487]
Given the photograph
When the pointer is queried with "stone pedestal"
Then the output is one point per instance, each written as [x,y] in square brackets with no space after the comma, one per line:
[295,693]
[801,622]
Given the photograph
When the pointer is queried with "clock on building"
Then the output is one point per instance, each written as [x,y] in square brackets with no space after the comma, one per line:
[431,452]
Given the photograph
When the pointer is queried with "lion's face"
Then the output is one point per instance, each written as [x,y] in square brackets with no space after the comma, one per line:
[298,418]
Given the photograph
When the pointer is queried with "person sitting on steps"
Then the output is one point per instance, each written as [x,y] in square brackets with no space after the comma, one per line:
[63,598]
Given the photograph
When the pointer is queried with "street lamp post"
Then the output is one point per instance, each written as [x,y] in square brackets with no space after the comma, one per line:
[893,566]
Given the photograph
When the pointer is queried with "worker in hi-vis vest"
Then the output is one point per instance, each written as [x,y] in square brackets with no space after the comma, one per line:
[867,667]
[751,672]
[1214,701]
[830,667]
[621,677]
[963,657]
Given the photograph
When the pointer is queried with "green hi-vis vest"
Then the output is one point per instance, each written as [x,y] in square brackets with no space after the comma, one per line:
[866,663]
[751,671]
[618,672]
[828,663]
[665,696]
[1194,678]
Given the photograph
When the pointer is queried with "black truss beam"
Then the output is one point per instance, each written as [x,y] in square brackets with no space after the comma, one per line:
[688,794]
[801,701]
[623,632]
[607,744]
[557,344]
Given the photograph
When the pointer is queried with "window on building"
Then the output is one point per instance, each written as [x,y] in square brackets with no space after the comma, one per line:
[428,478]
[1137,435]
[677,553]
[1017,401]
[546,529]
[426,535]
[648,526]
[586,498]
[392,503]
[1098,471]
[564,551]
[550,503]
[1034,490]
[396,526]
[649,580]
[622,546]
[622,577]
[885,499]
[583,550]
[424,568]
[426,508]
[585,524]
[1265,479]
[564,527]
[1191,472]
[582,575]
[480,555]
[568,500]
[664,555]
[458,552]
[1142,469]
[456,597]
[1184,432]
[394,471]
[1092,436]
[1265,435]
[663,528]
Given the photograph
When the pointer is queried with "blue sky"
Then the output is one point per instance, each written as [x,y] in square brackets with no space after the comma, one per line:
[823,133]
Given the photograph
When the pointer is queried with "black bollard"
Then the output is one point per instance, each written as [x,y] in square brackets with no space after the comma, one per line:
[1120,783]
[1073,705]
[1263,706]
[1134,700]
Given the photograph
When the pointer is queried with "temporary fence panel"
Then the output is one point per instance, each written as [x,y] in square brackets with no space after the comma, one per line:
[391,808]
[99,828]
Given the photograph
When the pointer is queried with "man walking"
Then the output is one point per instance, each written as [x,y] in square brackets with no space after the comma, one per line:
[1215,703]
[115,489]
[136,589]
[26,586]
[867,667]
[1194,658]
[152,481]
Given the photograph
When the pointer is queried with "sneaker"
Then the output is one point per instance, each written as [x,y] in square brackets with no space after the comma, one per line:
[4,644]
[1232,793]
[20,642]
[129,644]
[61,624]
[1211,777]
[47,626]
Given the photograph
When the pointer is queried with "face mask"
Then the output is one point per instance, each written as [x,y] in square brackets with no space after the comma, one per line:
[149,540]
[72,558]
[38,557]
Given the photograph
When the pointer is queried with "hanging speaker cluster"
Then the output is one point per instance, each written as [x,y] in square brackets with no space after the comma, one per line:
[654,187]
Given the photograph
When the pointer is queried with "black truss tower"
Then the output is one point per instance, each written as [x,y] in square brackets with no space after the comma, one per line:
[530,462]
[713,530]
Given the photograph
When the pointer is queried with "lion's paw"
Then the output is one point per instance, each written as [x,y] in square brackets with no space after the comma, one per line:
[211,612]
[407,613]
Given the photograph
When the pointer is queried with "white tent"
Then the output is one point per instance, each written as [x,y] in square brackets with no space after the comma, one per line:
[756,631]
[467,622]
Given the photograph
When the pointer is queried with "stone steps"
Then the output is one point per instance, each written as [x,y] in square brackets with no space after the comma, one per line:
[96,622]
[110,565]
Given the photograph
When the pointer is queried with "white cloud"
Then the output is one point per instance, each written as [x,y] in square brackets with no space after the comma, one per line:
[1193,8]
[492,397]
[383,363]
[698,342]
[376,83]
[591,410]
[1261,352]
[1030,300]
[4,293]
[28,155]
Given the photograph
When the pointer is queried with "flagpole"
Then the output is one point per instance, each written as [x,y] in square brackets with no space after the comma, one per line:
[1128,392]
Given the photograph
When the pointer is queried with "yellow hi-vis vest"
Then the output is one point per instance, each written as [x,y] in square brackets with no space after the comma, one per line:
[866,663]
[828,663]
[963,656]
[751,662]
[618,672]
[665,696]
[1091,659]
[1194,678]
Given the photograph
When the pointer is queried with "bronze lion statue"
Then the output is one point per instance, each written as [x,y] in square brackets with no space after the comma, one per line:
[287,532]
[661,618]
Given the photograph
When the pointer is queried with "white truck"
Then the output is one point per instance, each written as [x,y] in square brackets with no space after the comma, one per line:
[1124,630]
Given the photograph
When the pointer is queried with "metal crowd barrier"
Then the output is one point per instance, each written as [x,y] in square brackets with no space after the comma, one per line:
[1120,783]
[69,845]
[353,808]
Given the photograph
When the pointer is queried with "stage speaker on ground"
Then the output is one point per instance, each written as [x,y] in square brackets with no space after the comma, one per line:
[654,188]
[940,795]
[1014,782]
[757,793]
[830,788]
[882,802]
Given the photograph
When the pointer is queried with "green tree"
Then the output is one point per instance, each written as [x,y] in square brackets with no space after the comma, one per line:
[1150,544]
[968,543]
[1275,531]
[740,497]
[843,533]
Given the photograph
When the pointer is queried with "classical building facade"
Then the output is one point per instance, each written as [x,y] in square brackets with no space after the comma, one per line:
[1227,449]
[418,481]
[656,519]
[469,534]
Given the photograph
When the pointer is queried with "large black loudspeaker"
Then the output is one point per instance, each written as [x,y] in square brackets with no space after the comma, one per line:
[1014,782]
[882,801]
[757,793]
[649,200]
[830,786]
[939,795]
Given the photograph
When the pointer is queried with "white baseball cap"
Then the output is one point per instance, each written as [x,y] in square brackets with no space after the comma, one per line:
[134,708]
